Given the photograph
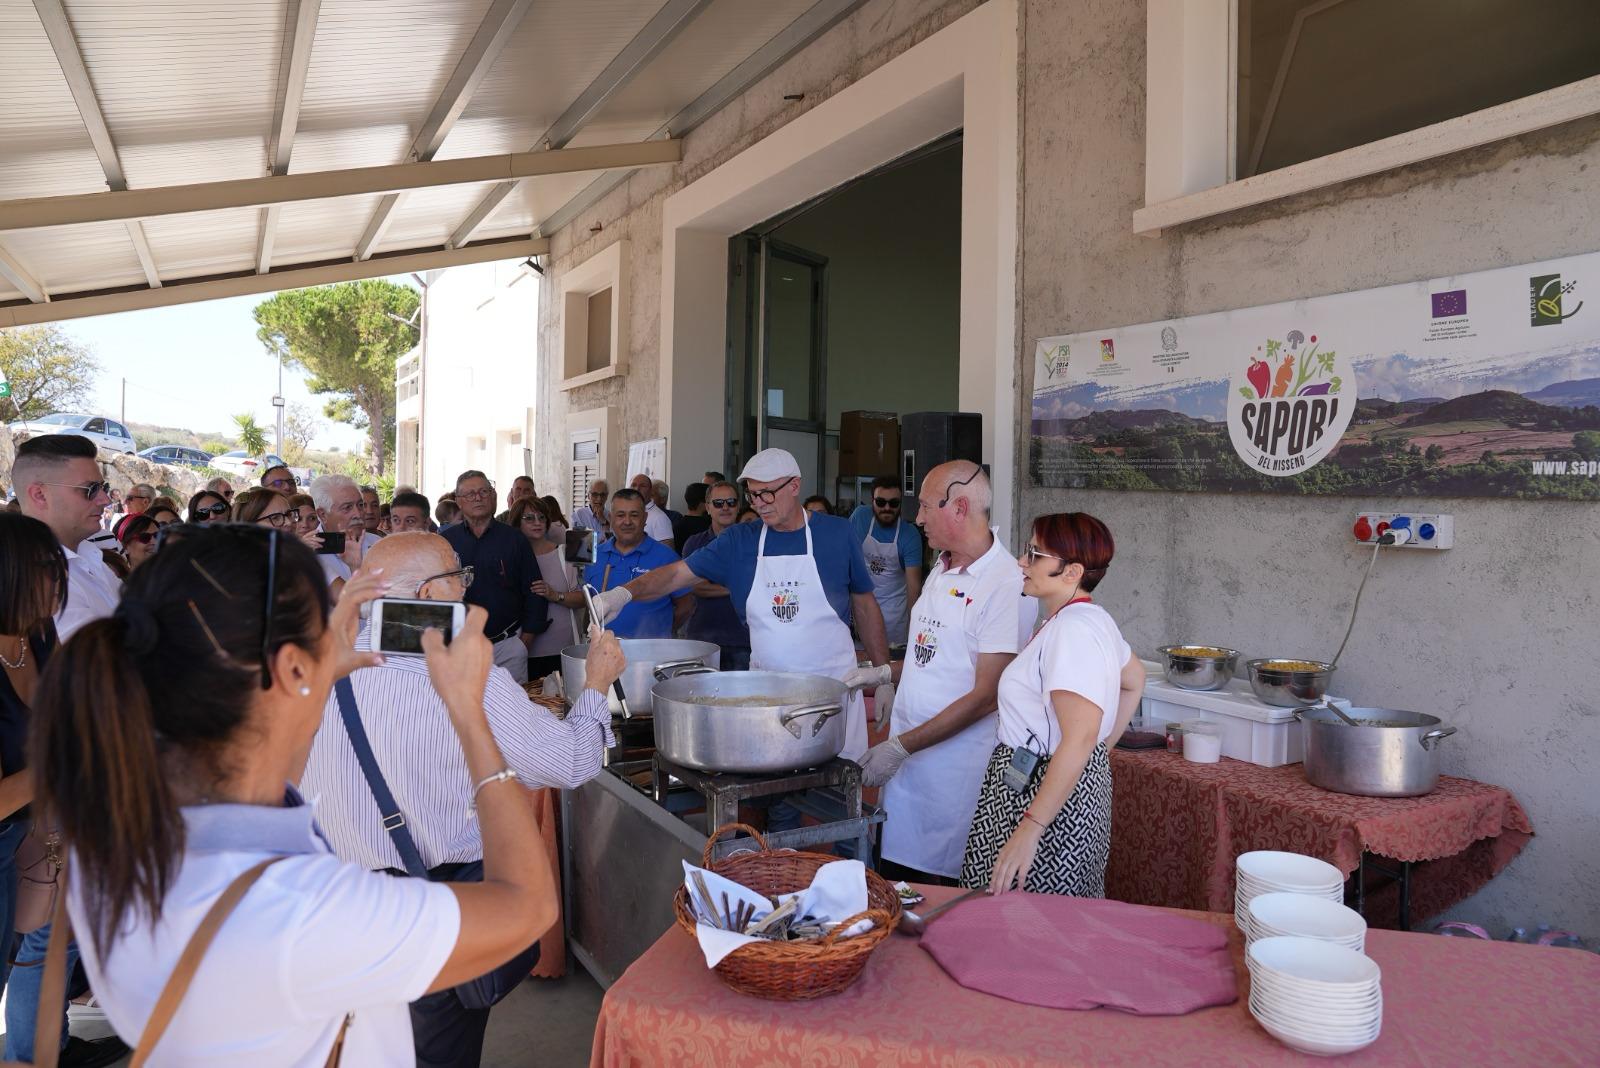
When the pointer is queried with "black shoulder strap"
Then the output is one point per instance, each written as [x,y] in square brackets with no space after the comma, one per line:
[393,820]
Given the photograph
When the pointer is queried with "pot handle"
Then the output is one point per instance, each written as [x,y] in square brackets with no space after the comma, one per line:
[671,669]
[1432,737]
[1309,708]
[826,711]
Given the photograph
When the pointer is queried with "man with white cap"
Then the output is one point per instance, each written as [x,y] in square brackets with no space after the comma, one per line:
[969,622]
[795,578]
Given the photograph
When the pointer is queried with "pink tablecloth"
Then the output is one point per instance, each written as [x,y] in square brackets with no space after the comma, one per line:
[1446,1002]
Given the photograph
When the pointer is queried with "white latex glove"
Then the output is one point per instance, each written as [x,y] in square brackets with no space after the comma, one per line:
[882,761]
[862,677]
[609,603]
[882,704]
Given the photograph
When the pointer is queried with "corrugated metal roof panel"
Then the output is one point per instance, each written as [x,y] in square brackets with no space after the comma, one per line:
[317,230]
[206,242]
[44,149]
[76,258]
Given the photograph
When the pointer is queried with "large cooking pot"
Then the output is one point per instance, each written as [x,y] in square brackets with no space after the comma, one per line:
[1389,753]
[750,721]
[645,656]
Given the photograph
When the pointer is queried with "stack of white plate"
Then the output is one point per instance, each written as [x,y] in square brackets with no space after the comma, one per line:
[1305,916]
[1268,871]
[1314,996]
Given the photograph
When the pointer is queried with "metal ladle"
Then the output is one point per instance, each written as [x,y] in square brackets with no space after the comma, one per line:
[912,924]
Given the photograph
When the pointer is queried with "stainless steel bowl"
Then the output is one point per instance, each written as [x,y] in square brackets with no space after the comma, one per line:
[1198,667]
[1280,681]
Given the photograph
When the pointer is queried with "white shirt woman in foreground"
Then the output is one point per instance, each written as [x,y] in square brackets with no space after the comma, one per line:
[165,736]
[1044,814]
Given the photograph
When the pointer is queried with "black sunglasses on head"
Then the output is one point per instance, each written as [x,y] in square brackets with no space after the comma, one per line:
[886,502]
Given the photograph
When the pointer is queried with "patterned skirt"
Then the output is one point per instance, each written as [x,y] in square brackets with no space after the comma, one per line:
[1073,850]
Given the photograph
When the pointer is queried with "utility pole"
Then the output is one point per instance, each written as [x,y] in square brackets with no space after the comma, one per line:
[277,403]
[124,419]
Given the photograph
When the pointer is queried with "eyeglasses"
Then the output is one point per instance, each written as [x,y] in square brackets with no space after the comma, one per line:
[767,496]
[886,502]
[210,509]
[90,490]
[533,517]
[278,519]
[1034,554]
[138,497]
[462,573]
[597,495]
[279,483]
[474,495]
[723,502]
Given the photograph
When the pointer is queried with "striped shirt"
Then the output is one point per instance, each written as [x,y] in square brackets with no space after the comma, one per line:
[418,751]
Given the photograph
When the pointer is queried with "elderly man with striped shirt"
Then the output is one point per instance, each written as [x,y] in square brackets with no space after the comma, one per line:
[409,732]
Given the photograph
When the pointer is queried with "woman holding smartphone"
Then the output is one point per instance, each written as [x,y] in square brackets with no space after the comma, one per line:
[556,577]
[1043,822]
[164,739]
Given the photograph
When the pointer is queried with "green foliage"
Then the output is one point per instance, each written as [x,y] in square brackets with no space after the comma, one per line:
[385,486]
[345,338]
[252,439]
[48,371]
[215,446]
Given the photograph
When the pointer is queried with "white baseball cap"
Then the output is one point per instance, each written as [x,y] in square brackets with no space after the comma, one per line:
[770,465]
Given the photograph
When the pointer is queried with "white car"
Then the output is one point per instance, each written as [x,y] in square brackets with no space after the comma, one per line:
[241,463]
[108,434]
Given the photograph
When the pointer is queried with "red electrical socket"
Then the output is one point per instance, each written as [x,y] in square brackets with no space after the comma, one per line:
[1363,529]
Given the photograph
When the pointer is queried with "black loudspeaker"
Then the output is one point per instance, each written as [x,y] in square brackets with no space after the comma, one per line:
[928,439]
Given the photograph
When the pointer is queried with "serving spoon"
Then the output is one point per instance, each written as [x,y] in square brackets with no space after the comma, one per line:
[913,924]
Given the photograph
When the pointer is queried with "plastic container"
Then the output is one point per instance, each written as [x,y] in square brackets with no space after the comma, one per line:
[1202,742]
[1251,730]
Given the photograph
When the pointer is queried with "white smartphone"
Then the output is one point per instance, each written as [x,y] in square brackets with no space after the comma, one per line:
[399,623]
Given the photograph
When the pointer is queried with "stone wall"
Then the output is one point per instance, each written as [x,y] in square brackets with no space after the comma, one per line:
[124,471]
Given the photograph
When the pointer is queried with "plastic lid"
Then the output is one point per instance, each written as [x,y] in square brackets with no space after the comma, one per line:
[1200,726]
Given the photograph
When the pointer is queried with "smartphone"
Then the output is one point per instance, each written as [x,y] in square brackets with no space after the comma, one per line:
[580,545]
[332,543]
[399,623]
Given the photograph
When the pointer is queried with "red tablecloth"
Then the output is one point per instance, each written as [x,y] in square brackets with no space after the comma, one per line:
[1177,826]
[1447,1001]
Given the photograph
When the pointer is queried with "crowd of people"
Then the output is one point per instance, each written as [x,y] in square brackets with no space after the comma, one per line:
[196,724]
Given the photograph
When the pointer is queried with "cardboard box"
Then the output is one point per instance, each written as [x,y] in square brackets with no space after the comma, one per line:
[869,444]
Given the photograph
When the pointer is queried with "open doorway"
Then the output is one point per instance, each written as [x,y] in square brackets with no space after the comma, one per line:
[849,302]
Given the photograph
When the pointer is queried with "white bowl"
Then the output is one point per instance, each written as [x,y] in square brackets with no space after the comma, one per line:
[1311,961]
[1288,871]
[1306,915]
[1318,1047]
[1308,1008]
[1365,1032]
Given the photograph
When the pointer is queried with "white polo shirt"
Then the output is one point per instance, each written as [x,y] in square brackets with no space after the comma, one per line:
[657,523]
[93,589]
[314,939]
[1079,650]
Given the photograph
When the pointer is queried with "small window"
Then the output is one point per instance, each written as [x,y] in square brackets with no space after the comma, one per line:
[599,354]
[1318,78]
[116,430]
[95,426]
[594,317]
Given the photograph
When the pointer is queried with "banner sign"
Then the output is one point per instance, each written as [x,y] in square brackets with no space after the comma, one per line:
[1480,385]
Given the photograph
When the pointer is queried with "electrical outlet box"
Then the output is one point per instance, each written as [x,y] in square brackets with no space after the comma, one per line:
[1427,531]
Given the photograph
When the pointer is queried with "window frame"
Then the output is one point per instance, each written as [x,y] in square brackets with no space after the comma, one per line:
[1190,130]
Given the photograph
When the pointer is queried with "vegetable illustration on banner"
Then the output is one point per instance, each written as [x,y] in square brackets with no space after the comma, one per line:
[1290,413]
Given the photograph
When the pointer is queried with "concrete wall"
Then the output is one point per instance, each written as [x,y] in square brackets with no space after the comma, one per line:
[1497,635]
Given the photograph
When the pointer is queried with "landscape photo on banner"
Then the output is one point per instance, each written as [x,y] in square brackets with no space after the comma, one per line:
[1479,385]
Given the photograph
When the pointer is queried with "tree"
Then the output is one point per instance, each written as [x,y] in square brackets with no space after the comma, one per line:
[252,439]
[348,337]
[47,369]
[300,428]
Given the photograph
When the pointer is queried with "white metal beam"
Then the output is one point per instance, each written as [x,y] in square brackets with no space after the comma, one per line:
[70,58]
[36,212]
[813,23]
[14,272]
[485,47]
[294,59]
[77,306]
[656,34]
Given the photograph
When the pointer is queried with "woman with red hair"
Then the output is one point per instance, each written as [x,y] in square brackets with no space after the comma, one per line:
[1043,821]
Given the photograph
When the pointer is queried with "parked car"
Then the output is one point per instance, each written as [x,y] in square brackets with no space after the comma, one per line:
[108,434]
[177,454]
[238,462]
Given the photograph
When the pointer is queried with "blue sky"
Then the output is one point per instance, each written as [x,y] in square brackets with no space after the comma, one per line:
[196,366]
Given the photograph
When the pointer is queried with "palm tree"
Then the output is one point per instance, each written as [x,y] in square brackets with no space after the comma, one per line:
[252,439]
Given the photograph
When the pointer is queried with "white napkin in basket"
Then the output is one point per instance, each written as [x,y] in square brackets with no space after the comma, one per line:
[837,892]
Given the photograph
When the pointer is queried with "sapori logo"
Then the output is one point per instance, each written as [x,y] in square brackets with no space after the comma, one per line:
[785,606]
[1055,361]
[924,648]
[1544,299]
[1290,408]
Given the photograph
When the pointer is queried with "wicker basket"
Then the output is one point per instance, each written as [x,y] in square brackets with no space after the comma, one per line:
[793,971]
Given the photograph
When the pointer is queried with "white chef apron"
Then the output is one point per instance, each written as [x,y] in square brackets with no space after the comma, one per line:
[888,581]
[931,800]
[794,628]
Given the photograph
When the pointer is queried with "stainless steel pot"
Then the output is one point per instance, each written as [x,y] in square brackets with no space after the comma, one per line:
[645,656]
[1389,753]
[749,721]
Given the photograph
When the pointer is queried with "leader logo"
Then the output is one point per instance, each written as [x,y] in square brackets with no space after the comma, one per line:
[786,606]
[925,647]
[1545,300]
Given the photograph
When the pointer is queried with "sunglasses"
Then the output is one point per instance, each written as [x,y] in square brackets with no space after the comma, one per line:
[724,502]
[886,502]
[143,537]
[89,490]
[137,497]
[210,509]
[767,496]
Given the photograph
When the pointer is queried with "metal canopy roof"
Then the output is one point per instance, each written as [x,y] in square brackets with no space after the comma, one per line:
[167,151]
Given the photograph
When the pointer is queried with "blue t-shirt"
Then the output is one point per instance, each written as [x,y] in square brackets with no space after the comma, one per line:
[613,568]
[730,559]
[910,538]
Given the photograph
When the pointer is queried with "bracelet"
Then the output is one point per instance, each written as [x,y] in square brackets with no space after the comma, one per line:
[1027,814]
[503,775]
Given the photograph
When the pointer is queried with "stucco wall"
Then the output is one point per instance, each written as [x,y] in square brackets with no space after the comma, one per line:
[1497,635]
